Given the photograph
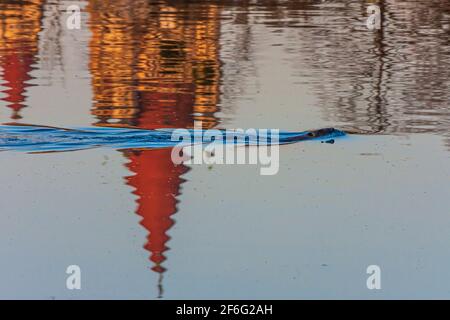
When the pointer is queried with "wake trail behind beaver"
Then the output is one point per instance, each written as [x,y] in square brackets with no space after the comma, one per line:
[31,138]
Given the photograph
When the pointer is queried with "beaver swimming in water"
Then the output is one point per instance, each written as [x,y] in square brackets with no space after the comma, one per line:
[32,138]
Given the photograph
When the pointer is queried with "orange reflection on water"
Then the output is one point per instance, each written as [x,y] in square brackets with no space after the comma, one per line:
[154,67]
[147,59]
[18,49]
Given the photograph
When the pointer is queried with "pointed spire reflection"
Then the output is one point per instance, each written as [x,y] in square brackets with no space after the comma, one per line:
[156,181]
[162,72]
[20,24]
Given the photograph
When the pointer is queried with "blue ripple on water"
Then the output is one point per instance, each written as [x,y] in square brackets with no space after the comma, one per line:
[31,138]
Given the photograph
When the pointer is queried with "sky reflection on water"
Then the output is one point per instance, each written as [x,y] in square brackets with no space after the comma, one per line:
[293,65]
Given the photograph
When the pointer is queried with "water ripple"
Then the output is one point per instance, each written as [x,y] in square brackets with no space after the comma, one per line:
[48,139]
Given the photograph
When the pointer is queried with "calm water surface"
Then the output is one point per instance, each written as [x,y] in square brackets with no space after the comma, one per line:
[141,227]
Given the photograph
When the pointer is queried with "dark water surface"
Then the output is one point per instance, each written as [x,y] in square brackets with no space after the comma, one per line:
[379,197]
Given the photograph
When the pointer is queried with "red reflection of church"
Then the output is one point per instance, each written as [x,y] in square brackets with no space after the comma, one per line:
[16,70]
[157,182]
[163,74]
[156,179]
[19,28]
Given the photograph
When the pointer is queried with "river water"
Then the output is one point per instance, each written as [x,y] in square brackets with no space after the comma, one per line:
[139,226]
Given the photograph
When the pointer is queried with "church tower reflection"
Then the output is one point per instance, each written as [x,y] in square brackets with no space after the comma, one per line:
[164,73]
[20,24]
